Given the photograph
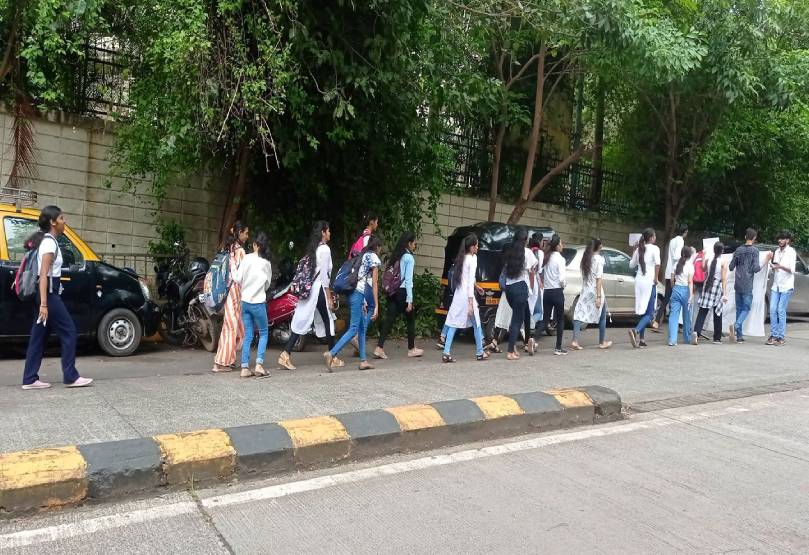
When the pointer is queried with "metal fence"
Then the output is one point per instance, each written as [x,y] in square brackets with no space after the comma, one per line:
[104,81]
[142,263]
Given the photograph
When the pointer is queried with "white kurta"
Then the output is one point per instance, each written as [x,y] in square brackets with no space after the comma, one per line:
[754,324]
[458,315]
[306,314]
[645,282]
[502,318]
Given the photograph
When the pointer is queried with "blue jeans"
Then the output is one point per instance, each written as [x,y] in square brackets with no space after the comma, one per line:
[743,303]
[679,303]
[59,321]
[478,339]
[254,316]
[602,326]
[778,312]
[649,315]
[358,326]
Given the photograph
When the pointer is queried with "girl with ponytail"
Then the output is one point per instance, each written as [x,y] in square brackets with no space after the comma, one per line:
[714,294]
[682,292]
[646,259]
[591,306]
[463,312]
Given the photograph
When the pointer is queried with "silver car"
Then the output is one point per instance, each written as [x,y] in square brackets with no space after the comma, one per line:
[619,281]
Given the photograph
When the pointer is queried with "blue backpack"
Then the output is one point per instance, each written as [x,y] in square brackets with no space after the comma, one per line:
[345,282]
[217,282]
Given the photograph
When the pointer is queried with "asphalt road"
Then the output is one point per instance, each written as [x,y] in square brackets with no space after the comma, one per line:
[722,477]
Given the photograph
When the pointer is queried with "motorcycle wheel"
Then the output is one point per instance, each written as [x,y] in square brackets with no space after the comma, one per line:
[280,335]
[203,328]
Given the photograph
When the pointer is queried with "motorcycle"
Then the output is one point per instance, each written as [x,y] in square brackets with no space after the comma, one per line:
[185,320]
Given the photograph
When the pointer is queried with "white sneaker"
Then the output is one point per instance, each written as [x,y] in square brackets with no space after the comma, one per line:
[37,385]
[81,382]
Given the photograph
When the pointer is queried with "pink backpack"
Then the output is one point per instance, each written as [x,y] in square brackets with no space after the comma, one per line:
[359,244]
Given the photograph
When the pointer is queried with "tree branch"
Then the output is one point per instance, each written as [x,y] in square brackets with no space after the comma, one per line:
[558,169]
[522,71]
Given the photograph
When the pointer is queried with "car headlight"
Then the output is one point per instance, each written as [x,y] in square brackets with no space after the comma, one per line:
[145,290]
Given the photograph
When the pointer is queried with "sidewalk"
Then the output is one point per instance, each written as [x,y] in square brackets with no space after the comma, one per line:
[165,390]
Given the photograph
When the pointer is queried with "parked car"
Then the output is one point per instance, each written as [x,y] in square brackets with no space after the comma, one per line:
[108,304]
[493,237]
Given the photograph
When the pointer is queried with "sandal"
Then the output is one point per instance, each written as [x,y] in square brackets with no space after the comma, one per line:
[483,356]
[512,356]
[447,358]
[576,347]
[532,346]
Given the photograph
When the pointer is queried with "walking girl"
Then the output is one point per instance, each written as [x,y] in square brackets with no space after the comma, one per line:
[254,277]
[232,335]
[714,294]
[682,293]
[520,269]
[364,303]
[463,312]
[554,294]
[402,262]
[647,259]
[591,307]
[51,314]
[316,309]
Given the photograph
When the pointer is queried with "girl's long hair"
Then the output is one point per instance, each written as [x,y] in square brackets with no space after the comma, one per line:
[685,256]
[718,249]
[593,246]
[314,238]
[46,216]
[466,245]
[645,238]
[515,254]
[233,235]
[553,244]
[406,238]
[262,242]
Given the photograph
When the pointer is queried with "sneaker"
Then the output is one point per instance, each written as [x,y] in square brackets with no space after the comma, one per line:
[285,362]
[672,344]
[560,351]
[633,337]
[642,344]
[37,385]
[379,353]
[81,382]
[415,352]
[605,345]
[732,333]
[717,341]
[770,340]
[780,342]
[739,339]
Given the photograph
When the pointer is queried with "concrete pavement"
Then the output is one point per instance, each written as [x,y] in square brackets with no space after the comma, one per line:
[720,477]
[161,390]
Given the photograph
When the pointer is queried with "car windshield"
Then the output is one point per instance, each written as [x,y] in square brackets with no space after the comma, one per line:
[568,254]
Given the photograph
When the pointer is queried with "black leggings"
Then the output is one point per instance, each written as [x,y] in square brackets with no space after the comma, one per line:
[554,300]
[717,323]
[323,310]
[397,304]
[661,311]
[517,296]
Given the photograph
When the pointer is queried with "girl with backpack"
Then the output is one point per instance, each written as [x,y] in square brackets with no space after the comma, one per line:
[591,308]
[554,296]
[681,294]
[364,303]
[254,277]
[647,259]
[520,268]
[463,312]
[315,307]
[52,314]
[232,335]
[402,263]
[714,294]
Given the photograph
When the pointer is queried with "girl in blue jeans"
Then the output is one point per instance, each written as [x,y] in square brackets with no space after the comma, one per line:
[364,303]
[681,295]
[254,275]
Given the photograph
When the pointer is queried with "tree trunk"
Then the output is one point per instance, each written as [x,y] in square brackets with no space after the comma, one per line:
[498,150]
[598,149]
[236,189]
[533,141]
[671,196]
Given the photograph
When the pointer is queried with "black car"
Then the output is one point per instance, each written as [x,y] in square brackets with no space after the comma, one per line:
[108,304]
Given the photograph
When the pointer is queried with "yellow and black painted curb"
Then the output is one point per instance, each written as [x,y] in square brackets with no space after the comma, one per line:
[53,477]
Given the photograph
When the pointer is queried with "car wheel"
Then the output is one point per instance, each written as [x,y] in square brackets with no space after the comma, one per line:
[119,332]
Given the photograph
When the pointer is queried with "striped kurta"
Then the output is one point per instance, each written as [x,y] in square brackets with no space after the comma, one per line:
[230,340]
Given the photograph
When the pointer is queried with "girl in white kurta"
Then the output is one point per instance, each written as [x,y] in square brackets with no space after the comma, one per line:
[317,308]
[646,259]
[463,312]
[591,308]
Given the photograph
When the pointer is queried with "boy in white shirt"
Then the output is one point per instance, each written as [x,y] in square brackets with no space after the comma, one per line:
[783,261]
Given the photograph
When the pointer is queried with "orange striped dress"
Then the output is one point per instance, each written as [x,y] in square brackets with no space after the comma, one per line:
[230,340]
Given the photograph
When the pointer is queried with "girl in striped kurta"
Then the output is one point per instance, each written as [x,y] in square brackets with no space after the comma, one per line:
[232,335]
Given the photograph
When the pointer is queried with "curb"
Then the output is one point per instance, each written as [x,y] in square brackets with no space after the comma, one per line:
[53,477]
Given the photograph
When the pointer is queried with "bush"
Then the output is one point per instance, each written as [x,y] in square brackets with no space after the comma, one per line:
[426,290]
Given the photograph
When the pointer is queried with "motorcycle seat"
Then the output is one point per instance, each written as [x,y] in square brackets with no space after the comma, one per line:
[278,293]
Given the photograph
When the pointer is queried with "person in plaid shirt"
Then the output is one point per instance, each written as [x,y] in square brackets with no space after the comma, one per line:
[714,294]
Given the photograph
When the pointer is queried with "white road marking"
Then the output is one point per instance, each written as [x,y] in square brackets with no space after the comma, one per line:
[139,516]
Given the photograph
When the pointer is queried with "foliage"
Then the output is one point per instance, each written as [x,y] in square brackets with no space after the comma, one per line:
[170,233]
[426,291]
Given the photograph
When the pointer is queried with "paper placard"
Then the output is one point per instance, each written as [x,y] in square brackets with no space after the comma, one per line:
[708,243]
[634,238]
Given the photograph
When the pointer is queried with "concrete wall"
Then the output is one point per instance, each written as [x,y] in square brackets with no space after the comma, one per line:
[574,227]
[72,168]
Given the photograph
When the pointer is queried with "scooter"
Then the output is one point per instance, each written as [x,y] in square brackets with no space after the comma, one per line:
[281,305]
[185,320]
